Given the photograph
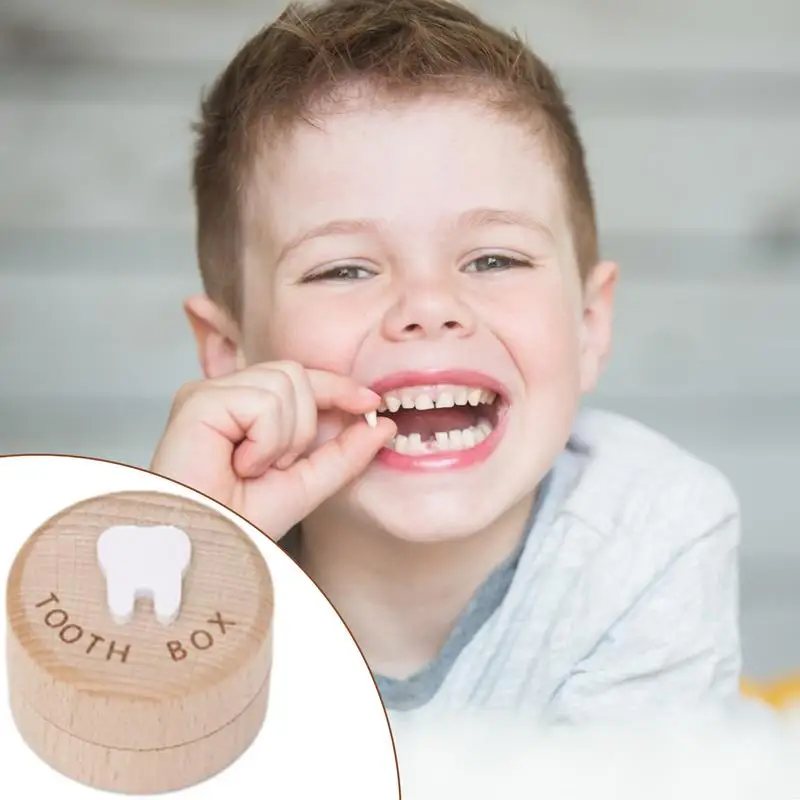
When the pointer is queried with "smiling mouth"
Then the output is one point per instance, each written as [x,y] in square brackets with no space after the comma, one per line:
[445,418]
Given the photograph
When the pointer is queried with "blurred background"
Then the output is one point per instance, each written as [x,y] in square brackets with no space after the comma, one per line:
[691,114]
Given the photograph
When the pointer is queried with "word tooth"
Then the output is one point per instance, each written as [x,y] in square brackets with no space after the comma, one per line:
[372,418]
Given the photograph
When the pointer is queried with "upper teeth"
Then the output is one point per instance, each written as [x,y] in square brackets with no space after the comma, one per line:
[428,397]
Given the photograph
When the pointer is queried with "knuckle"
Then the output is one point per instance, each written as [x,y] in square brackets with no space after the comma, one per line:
[293,368]
[184,394]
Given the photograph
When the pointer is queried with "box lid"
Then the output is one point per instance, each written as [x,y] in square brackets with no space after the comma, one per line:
[143,683]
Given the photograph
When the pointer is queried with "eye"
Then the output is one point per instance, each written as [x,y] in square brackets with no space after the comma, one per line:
[342,273]
[493,263]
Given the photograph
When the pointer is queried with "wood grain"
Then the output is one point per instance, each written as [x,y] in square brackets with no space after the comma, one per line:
[138,708]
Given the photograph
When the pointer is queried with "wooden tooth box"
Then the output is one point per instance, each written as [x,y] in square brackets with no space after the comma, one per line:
[144,704]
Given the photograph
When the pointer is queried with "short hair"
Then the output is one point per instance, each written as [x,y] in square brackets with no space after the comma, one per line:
[398,47]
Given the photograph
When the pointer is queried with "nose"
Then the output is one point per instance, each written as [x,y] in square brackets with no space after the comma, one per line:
[429,309]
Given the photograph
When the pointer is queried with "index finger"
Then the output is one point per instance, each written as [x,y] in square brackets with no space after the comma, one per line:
[339,391]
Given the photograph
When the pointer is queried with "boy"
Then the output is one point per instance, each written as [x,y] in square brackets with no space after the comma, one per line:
[394,216]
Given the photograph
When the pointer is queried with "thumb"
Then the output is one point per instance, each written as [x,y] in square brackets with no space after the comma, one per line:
[342,459]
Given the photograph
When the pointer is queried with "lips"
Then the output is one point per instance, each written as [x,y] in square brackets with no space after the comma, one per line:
[445,419]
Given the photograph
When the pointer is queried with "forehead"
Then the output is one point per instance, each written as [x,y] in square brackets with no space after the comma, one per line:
[416,163]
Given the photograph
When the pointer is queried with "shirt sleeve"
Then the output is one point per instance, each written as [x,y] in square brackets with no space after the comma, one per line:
[675,648]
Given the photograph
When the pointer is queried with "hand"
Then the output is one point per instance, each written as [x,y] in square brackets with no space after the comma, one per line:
[247,440]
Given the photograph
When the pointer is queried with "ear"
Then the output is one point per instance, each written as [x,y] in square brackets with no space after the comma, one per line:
[216,335]
[597,322]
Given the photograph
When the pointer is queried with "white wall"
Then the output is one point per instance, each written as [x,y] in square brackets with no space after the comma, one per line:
[691,113]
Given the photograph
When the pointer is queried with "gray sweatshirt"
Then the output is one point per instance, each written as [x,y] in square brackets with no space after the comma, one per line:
[621,600]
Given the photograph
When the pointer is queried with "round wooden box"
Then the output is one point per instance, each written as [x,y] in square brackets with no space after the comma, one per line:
[145,704]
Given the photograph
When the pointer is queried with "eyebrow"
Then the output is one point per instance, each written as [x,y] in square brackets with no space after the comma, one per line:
[473,218]
[481,217]
[336,227]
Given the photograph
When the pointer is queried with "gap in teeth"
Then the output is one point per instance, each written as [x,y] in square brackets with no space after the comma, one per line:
[424,398]
[442,442]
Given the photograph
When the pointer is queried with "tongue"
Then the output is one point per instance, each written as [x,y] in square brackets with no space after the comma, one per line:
[428,423]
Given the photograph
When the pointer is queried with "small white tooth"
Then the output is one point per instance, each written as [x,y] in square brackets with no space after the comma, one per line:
[488,397]
[460,397]
[423,403]
[485,427]
[478,434]
[415,446]
[393,403]
[372,418]
[401,443]
[442,440]
[408,400]
[475,396]
[456,440]
[467,438]
[445,400]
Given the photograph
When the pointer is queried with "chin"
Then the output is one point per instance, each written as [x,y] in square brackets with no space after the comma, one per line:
[439,511]
[422,529]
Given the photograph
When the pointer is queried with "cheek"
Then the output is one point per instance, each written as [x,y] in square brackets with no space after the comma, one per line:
[318,336]
[542,333]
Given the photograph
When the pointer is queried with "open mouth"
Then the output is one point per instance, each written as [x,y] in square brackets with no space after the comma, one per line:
[438,419]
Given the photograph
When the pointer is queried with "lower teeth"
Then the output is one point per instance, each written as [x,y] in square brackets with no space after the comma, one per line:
[443,442]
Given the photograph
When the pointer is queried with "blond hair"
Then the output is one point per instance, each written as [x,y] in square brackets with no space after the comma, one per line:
[398,47]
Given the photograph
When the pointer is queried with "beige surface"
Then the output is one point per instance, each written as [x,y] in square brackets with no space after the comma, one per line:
[138,707]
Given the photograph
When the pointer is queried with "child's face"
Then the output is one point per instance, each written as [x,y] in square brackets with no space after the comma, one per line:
[441,244]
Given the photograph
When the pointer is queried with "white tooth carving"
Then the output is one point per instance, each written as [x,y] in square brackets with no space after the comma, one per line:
[144,562]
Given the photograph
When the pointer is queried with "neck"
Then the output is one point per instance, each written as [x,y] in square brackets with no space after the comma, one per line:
[401,599]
